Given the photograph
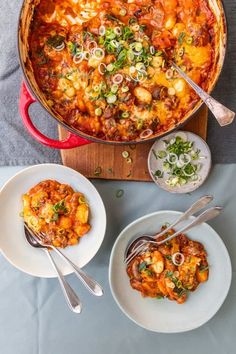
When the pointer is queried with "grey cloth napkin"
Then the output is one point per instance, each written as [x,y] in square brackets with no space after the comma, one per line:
[17,147]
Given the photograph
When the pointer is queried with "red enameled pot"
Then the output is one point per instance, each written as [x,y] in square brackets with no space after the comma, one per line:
[31,93]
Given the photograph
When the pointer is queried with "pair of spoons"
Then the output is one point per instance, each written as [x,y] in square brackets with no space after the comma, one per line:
[142,243]
[37,240]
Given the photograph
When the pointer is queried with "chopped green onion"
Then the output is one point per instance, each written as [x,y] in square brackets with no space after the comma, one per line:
[82,200]
[158,53]
[114,88]
[181,37]
[158,174]
[111,99]
[110,67]
[98,171]
[162,154]
[124,88]
[166,166]
[132,20]
[98,112]
[138,46]
[125,154]
[203,268]
[168,257]
[98,53]
[60,206]
[96,88]
[119,193]
[142,266]
[149,272]
[189,40]
[130,56]
[181,51]
[125,115]
[123,11]
[140,66]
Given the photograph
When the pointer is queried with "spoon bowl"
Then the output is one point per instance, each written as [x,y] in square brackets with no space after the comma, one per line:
[32,240]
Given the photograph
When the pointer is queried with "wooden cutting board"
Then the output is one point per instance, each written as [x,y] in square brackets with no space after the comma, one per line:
[106,161]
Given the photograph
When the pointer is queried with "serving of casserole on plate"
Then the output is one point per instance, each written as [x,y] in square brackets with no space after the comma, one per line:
[171,270]
[156,313]
[58,209]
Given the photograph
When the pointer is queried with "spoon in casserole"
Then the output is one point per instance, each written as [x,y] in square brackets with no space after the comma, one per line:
[223,115]
[71,297]
[87,281]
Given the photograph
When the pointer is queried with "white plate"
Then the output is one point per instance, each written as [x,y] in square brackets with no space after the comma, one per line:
[12,240]
[165,316]
[155,164]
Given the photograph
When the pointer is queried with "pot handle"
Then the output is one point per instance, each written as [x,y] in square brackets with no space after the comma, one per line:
[26,99]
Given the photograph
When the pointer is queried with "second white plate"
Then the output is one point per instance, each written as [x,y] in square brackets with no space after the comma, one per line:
[165,316]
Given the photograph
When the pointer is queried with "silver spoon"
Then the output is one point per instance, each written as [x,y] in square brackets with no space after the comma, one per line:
[204,217]
[88,282]
[223,115]
[198,205]
[72,299]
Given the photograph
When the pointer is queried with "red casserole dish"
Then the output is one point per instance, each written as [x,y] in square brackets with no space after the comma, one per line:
[31,90]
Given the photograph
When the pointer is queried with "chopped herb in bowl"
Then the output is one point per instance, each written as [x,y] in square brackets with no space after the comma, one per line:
[180,160]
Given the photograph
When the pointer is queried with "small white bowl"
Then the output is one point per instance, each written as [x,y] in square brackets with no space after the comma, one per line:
[155,164]
[12,239]
[165,316]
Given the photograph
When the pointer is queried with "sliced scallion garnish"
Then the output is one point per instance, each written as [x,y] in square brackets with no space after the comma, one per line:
[98,171]
[125,154]
[119,193]
[111,99]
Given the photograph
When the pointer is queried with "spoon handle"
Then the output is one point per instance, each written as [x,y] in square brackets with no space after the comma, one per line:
[223,115]
[72,299]
[204,217]
[88,282]
[198,205]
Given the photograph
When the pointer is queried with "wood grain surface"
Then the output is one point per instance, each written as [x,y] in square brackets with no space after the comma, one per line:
[106,161]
